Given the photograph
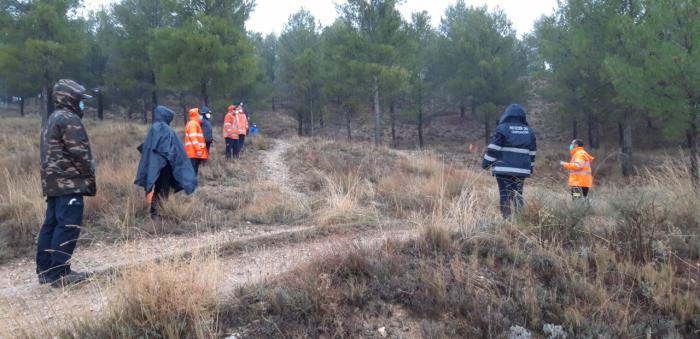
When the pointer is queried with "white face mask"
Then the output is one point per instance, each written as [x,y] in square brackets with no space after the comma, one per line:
[208,116]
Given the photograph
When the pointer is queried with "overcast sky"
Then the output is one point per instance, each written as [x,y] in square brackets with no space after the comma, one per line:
[271,15]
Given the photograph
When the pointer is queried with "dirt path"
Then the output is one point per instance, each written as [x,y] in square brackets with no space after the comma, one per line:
[278,172]
[30,309]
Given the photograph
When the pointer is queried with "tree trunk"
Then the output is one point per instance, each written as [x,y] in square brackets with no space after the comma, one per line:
[592,140]
[311,116]
[154,96]
[184,107]
[627,163]
[394,142]
[420,127]
[100,105]
[574,127]
[300,122]
[377,114]
[144,116]
[461,109]
[273,104]
[205,95]
[45,106]
[487,133]
[692,135]
[21,106]
[347,124]
[620,133]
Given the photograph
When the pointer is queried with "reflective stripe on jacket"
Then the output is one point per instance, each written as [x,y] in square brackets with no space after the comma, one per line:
[513,147]
[242,124]
[580,173]
[195,146]
[230,130]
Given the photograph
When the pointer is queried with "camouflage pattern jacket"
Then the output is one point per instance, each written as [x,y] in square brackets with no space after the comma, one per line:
[67,166]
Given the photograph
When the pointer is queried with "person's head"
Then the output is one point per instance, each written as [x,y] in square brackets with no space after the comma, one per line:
[576,143]
[514,113]
[70,95]
[194,114]
[231,108]
[163,114]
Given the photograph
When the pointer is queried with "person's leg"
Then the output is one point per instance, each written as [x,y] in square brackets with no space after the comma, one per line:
[43,246]
[237,148]
[517,193]
[69,213]
[161,189]
[504,196]
[576,193]
[584,190]
[241,141]
[229,148]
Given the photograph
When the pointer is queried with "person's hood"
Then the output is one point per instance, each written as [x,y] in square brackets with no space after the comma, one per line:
[67,94]
[585,154]
[204,110]
[231,108]
[163,114]
[513,113]
[194,114]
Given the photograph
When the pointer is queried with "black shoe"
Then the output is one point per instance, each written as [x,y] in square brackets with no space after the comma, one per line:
[45,280]
[71,278]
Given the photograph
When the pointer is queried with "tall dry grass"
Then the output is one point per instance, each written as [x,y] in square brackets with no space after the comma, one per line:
[172,299]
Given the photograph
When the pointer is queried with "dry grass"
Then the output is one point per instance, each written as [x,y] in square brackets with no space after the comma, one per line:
[119,211]
[173,299]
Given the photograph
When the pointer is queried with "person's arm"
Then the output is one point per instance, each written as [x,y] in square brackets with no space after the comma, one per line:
[77,145]
[576,165]
[493,151]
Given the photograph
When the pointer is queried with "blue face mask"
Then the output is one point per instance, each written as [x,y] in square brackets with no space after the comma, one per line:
[571,147]
[82,105]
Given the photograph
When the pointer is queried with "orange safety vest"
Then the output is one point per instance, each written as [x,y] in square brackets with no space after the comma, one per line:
[194,138]
[580,173]
[230,130]
[242,122]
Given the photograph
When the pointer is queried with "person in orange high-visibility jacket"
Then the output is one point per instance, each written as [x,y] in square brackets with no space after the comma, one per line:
[195,145]
[242,119]
[580,173]
[230,132]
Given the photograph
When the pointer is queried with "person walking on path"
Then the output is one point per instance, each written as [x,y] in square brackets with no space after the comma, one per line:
[230,132]
[67,175]
[195,146]
[164,165]
[207,128]
[580,173]
[511,156]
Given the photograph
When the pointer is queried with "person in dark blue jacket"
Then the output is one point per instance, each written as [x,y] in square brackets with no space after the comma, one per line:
[206,127]
[164,165]
[511,155]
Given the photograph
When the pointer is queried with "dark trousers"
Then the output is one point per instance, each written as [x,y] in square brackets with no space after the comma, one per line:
[230,147]
[195,164]
[162,188]
[510,189]
[241,142]
[59,235]
[579,192]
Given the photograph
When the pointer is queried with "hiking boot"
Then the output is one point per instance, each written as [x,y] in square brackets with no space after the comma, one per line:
[71,278]
[45,280]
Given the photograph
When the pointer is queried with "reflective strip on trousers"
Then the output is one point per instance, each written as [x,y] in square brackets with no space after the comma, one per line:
[512,170]
[489,158]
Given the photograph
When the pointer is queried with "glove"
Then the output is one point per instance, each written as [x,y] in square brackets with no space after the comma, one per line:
[562,163]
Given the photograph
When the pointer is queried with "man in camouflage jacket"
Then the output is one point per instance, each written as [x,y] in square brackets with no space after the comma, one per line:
[67,174]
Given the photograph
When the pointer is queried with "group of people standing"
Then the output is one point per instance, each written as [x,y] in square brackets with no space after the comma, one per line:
[168,165]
